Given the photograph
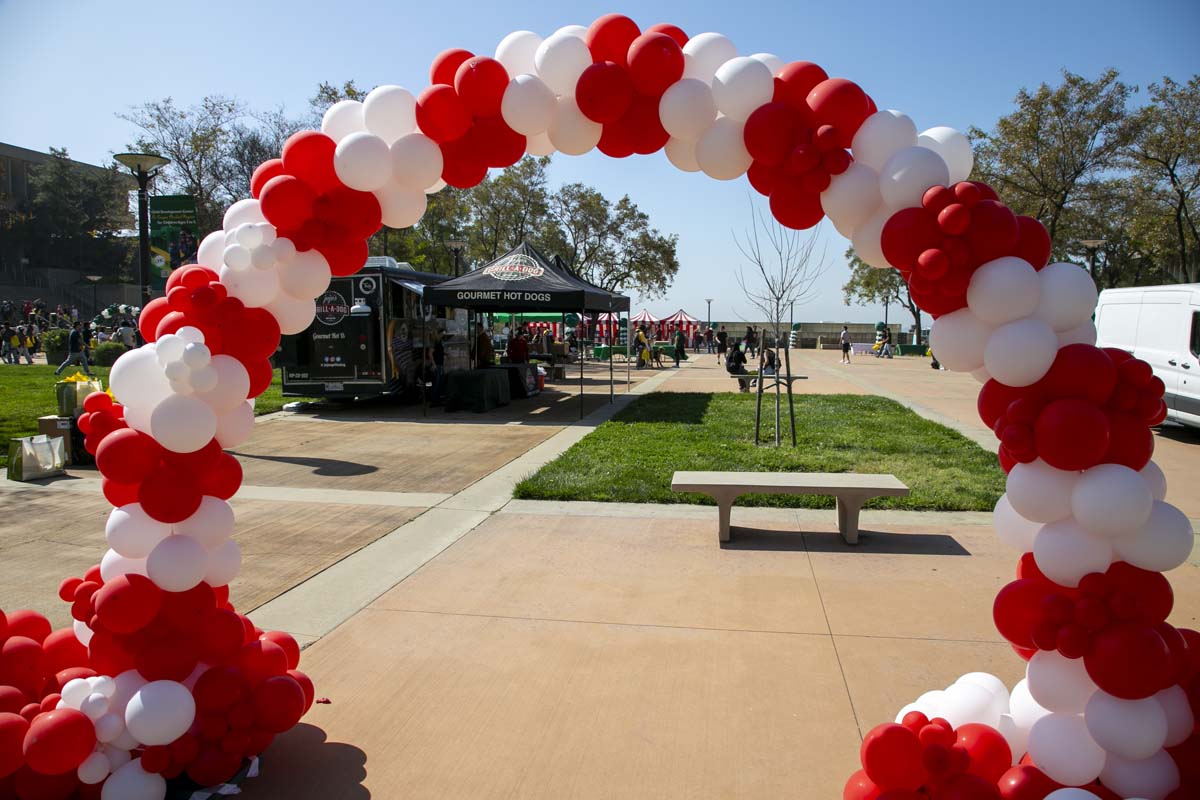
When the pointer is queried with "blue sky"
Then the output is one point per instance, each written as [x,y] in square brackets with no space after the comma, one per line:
[67,66]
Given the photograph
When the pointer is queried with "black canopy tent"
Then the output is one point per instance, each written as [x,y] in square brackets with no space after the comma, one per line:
[523,280]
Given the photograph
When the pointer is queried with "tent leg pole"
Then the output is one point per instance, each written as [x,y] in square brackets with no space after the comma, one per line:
[628,375]
[581,360]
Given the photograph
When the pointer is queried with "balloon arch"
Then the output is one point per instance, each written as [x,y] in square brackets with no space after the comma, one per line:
[160,679]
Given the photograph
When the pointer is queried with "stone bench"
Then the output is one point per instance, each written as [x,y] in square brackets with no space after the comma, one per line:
[850,489]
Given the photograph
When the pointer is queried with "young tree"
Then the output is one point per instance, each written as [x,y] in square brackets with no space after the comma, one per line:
[868,285]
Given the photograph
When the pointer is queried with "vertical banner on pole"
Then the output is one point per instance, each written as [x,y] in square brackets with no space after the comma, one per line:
[173,226]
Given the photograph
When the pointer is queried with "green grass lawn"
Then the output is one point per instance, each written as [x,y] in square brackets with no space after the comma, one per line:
[632,457]
[27,392]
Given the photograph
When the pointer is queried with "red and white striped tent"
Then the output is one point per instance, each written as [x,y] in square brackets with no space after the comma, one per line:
[681,317]
[608,326]
[644,317]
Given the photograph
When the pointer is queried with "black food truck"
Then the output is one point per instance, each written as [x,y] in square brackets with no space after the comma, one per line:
[370,335]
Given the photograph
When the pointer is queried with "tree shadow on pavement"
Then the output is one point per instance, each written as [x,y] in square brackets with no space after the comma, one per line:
[302,763]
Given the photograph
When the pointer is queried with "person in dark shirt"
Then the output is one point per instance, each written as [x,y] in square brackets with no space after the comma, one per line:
[518,349]
[722,343]
[76,352]
[735,364]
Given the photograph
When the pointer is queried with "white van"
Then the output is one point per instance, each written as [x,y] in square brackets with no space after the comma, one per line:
[1160,325]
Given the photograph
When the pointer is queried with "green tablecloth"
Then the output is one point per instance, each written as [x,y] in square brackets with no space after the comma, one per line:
[477,389]
[603,352]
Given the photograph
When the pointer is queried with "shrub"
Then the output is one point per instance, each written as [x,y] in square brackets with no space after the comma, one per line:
[108,353]
[54,344]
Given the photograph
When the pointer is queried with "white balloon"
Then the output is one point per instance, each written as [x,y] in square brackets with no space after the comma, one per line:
[254,287]
[1111,500]
[867,242]
[416,161]
[1065,551]
[223,564]
[169,347]
[682,154]
[283,249]
[1068,296]
[131,532]
[1153,475]
[528,105]
[1163,543]
[981,374]
[243,211]
[176,371]
[1040,492]
[704,54]
[1071,793]
[267,232]
[721,151]
[75,691]
[954,149]
[235,427]
[363,162]
[131,782]
[881,136]
[94,706]
[237,257]
[342,119]
[1178,711]
[687,109]
[196,355]
[390,112]
[994,687]
[294,314]
[1152,778]
[212,250]
[307,275]
[517,52]
[110,726]
[436,186]
[118,756]
[1061,747]
[1058,683]
[189,333]
[578,31]
[401,207]
[262,257]
[539,144]
[1003,290]
[1017,737]
[741,85]
[93,769]
[211,524]
[1083,333]
[560,60]
[182,423]
[851,198]
[1131,729]
[1019,353]
[773,62]
[127,684]
[1024,709]
[1013,529]
[959,339]
[572,132]
[930,703]
[908,173]
[969,702]
[82,632]
[233,384]
[177,564]
[247,234]
[113,565]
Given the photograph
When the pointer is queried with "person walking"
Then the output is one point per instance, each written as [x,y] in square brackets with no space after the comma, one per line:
[885,344]
[708,340]
[751,342]
[7,337]
[845,340]
[642,348]
[722,344]
[76,352]
[680,345]
[24,346]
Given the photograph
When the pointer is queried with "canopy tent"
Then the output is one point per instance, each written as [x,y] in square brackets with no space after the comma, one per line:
[523,280]
[643,316]
[608,326]
[684,319]
[536,321]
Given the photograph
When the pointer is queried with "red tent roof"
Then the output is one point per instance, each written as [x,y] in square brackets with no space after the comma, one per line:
[682,316]
[643,316]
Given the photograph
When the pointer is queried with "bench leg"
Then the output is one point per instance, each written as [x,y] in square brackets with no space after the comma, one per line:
[848,518]
[724,507]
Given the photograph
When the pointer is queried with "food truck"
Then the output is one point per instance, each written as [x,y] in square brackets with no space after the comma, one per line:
[371,334]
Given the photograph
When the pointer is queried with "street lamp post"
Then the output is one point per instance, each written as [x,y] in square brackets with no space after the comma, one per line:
[1092,245]
[709,301]
[456,246]
[95,279]
[143,166]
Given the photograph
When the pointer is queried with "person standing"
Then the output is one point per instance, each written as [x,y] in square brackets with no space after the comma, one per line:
[722,344]
[708,339]
[24,345]
[485,354]
[845,340]
[736,365]
[518,348]
[76,352]
[885,344]
[7,336]
[680,346]
[642,348]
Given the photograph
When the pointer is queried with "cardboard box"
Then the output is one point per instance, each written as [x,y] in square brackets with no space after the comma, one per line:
[55,426]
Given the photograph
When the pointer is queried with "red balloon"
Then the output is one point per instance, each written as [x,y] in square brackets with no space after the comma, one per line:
[1081,371]
[260,660]
[907,234]
[309,156]
[119,494]
[840,103]
[167,658]
[306,684]
[990,754]
[152,314]
[221,636]
[655,62]
[445,65]
[604,92]
[609,38]
[794,207]
[993,232]
[128,456]
[58,741]
[219,688]
[287,202]
[1071,434]
[345,258]
[480,83]
[29,785]
[213,766]
[22,664]
[462,167]
[1129,660]
[12,700]
[674,31]
[263,173]
[128,603]
[13,728]
[260,375]
[355,215]
[1017,609]
[966,786]
[498,145]
[616,140]
[27,623]
[1033,242]
[891,757]
[278,703]
[859,787]
[644,127]
[169,494]
[441,114]
[995,398]
[794,82]
[187,611]
[770,133]
[223,479]
[63,650]
[764,178]
[1131,441]
[289,645]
